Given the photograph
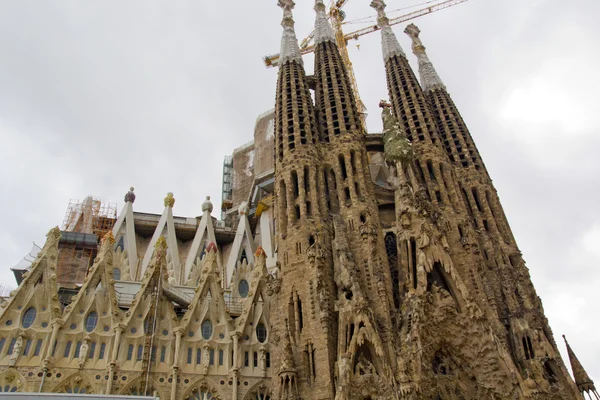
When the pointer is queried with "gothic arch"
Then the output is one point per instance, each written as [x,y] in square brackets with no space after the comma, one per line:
[75,383]
[259,391]
[133,388]
[12,381]
[202,389]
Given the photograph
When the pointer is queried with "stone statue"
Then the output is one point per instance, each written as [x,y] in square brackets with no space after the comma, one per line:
[263,362]
[83,352]
[16,351]
[171,275]
[344,372]
[364,366]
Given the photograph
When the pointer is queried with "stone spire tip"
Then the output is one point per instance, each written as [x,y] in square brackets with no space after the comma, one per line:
[290,51]
[323,30]
[429,77]
[389,43]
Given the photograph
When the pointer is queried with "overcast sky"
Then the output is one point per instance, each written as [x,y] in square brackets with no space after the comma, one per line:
[96,96]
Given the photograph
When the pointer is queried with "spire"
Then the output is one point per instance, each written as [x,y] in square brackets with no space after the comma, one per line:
[290,51]
[323,30]
[389,42]
[429,77]
[582,380]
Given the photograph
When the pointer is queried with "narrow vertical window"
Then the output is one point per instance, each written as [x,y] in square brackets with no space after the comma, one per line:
[92,350]
[129,352]
[189,355]
[140,351]
[246,360]
[306,180]
[77,349]
[295,186]
[11,346]
[268,360]
[430,170]
[153,354]
[38,348]
[198,356]
[343,166]
[212,356]
[2,341]
[102,350]
[525,349]
[163,351]
[27,347]
[67,349]
[220,357]
[255,360]
[413,251]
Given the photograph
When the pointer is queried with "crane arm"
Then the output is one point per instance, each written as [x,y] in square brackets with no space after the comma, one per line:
[403,18]
[306,47]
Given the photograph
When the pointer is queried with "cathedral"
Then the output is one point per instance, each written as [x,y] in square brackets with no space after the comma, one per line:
[345,265]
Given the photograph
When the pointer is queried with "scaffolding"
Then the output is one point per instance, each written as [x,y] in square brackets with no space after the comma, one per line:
[90,216]
[227,188]
[84,224]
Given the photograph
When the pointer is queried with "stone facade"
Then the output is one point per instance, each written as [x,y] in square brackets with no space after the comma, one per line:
[353,266]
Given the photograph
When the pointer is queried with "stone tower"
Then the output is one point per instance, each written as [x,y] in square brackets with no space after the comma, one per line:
[306,335]
[440,305]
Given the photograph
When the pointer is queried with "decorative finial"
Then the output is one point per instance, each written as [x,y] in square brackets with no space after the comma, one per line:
[323,30]
[389,42]
[53,233]
[207,205]
[161,243]
[130,196]
[290,51]
[260,252]
[384,104]
[108,237]
[211,247]
[429,77]
[169,200]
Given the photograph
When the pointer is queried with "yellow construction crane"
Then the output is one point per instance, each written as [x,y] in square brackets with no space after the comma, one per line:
[337,17]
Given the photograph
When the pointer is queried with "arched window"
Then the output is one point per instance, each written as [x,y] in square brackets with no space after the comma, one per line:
[207,329]
[90,321]
[243,288]
[28,317]
[116,274]
[261,333]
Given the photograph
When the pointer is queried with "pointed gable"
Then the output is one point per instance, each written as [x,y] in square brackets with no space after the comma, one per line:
[124,234]
[242,244]
[254,307]
[205,234]
[206,325]
[88,321]
[27,316]
[150,311]
[166,229]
